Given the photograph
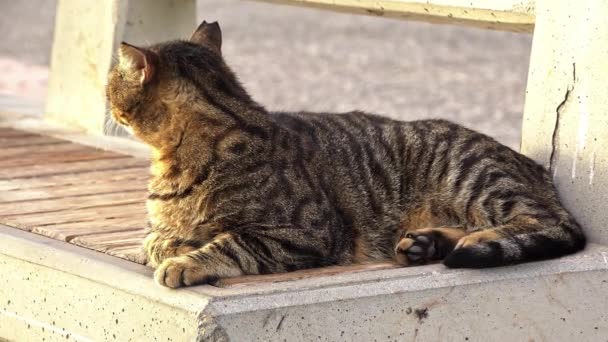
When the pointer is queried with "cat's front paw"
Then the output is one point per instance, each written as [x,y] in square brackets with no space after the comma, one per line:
[415,249]
[181,271]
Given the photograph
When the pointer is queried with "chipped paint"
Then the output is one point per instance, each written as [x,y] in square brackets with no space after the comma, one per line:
[583,126]
[583,123]
[574,159]
[592,168]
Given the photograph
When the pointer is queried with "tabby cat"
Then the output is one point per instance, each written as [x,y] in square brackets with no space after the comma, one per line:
[237,190]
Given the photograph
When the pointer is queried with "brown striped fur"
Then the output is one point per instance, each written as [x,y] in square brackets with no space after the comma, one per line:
[237,190]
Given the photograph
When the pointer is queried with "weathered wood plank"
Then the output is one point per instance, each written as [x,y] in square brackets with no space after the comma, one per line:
[7,132]
[76,189]
[58,157]
[104,241]
[89,177]
[28,221]
[125,244]
[74,167]
[32,140]
[302,274]
[69,231]
[25,151]
[508,15]
[97,204]
[132,253]
[73,203]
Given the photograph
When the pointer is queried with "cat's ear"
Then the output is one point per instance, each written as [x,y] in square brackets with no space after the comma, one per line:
[208,35]
[135,59]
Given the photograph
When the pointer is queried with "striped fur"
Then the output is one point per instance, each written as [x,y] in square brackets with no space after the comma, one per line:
[239,190]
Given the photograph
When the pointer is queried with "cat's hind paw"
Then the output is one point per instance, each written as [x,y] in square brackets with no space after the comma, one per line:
[423,245]
[415,249]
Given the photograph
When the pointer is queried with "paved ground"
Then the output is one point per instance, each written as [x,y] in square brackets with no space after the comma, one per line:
[293,58]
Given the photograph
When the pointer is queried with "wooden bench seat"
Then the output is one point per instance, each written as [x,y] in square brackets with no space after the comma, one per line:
[92,198]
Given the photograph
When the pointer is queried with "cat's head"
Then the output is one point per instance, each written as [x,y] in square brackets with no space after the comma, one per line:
[156,91]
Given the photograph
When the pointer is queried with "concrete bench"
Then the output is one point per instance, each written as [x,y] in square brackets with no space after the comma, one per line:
[60,290]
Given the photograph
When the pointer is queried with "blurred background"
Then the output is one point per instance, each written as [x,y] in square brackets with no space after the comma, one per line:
[292,58]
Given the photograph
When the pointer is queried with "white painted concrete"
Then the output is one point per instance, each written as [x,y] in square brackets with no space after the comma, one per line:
[566,114]
[86,291]
[53,290]
[561,299]
[87,34]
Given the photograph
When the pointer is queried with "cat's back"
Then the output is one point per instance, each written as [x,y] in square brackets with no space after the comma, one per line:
[345,127]
[394,145]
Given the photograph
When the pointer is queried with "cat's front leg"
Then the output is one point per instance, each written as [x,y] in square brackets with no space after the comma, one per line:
[158,248]
[250,250]
[216,259]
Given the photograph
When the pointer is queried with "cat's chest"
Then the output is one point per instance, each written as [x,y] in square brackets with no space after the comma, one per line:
[177,217]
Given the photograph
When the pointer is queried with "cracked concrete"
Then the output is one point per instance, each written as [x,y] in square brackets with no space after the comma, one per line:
[558,113]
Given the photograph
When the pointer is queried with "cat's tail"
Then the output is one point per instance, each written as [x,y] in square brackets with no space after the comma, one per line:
[551,242]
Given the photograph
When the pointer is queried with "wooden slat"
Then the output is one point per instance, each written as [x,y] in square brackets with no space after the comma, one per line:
[28,140]
[6,132]
[70,231]
[104,241]
[508,15]
[28,151]
[62,216]
[75,167]
[136,211]
[255,280]
[126,244]
[59,157]
[61,191]
[72,179]
[132,253]
[97,203]
[68,191]
[73,203]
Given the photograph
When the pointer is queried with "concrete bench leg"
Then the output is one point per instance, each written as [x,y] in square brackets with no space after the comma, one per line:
[565,124]
[87,34]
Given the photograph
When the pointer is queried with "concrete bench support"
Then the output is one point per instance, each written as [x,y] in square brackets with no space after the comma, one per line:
[54,291]
[57,291]
[566,113]
[86,36]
